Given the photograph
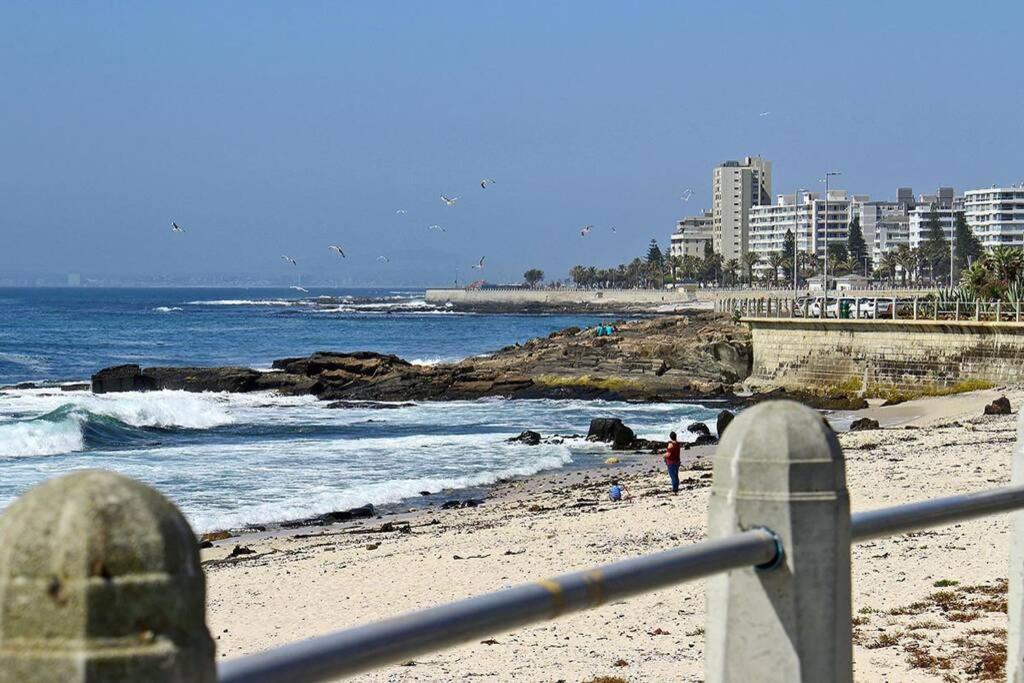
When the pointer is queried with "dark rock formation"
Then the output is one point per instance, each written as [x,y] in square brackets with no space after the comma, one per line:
[699,428]
[704,440]
[611,429]
[863,424]
[528,438]
[367,405]
[724,418]
[1000,406]
[118,378]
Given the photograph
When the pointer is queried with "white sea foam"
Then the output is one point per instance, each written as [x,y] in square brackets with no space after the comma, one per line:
[40,437]
[248,302]
[167,309]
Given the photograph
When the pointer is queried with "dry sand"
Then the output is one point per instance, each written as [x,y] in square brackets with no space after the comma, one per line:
[906,627]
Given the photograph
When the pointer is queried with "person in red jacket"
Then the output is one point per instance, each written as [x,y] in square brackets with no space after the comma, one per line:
[672,461]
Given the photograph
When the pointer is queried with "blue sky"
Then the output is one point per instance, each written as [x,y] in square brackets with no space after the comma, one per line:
[279,128]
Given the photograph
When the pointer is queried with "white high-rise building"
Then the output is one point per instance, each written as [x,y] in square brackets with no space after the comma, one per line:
[691,235]
[736,188]
[871,215]
[919,217]
[890,232]
[804,214]
[996,215]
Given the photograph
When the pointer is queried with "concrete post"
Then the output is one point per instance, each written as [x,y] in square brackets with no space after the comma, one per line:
[1015,634]
[100,582]
[779,466]
[915,308]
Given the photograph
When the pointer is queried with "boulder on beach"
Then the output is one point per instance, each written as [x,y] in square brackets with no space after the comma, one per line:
[724,418]
[528,438]
[1000,406]
[699,428]
[611,429]
[863,424]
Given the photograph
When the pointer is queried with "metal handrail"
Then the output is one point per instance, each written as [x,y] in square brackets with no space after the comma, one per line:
[352,651]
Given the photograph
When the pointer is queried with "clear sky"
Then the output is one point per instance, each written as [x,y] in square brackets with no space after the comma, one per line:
[270,128]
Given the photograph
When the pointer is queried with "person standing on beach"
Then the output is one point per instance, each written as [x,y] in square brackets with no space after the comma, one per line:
[672,461]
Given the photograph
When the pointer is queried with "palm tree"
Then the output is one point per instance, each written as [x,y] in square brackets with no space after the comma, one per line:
[887,266]
[751,259]
[906,259]
[776,260]
[732,266]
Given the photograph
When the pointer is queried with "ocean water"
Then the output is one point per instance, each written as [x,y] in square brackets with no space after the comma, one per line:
[229,460]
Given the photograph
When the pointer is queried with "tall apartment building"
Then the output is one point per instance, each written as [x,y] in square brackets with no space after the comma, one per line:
[692,233]
[871,215]
[918,217]
[737,186]
[804,214]
[996,215]
[890,232]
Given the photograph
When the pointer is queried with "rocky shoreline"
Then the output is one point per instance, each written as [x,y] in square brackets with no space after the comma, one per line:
[693,357]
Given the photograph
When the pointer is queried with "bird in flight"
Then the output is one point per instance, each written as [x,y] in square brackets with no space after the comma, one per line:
[337,249]
[479,265]
[485,182]
[614,230]
[764,113]
[586,230]
[449,201]
[299,289]
[401,211]
[436,227]
[687,193]
[384,259]
[289,259]
[176,228]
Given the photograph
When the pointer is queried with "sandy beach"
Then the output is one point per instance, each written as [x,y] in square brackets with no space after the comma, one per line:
[929,606]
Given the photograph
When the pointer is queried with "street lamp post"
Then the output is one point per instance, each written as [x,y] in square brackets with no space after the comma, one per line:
[828,175]
[952,242]
[796,231]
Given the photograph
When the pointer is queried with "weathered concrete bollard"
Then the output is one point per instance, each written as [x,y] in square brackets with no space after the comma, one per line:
[1015,589]
[779,466]
[100,581]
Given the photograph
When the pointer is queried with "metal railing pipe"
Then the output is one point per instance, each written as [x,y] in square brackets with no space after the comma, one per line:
[935,512]
[398,639]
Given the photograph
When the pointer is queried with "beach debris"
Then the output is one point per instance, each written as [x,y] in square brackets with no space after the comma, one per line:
[527,438]
[611,461]
[451,505]
[470,557]
[241,550]
[215,536]
[203,545]
[513,552]
[372,546]
[489,641]
[863,424]
[659,632]
[724,418]
[1000,406]
[620,663]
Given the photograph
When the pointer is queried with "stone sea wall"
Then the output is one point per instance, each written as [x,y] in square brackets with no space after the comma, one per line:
[879,356]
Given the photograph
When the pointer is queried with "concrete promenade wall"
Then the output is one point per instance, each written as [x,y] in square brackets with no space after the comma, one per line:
[880,355]
[559,297]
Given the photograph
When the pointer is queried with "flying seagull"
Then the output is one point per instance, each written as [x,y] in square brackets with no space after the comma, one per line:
[385,259]
[586,230]
[339,250]
[614,230]
[687,193]
[485,182]
[449,201]
[764,113]
[401,211]
[299,289]
[436,227]
[176,228]
[479,265]
[289,259]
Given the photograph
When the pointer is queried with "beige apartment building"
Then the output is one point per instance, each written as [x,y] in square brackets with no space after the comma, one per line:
[737,186]
[691,235]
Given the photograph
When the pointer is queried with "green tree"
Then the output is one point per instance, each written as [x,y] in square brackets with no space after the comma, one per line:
[967,247]
[856,246]
[533,276]
[751,259]
[789,254]
[935,248]
[730,270]
[776,260]
[654,255]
